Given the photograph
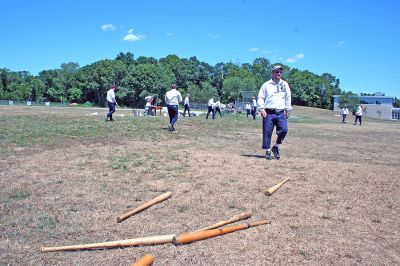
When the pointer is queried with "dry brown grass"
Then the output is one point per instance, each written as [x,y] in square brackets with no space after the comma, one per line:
[66,175]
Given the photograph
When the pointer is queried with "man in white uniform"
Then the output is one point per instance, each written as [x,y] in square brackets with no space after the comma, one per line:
[274,102]
[211,106]
[187,105]
[112,102]
[172,98]
[359,114]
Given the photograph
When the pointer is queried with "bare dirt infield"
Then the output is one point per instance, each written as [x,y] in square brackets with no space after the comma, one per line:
[66,175]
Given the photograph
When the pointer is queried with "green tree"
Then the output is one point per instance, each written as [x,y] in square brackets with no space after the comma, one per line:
[17,85]
[146,60]
[202,93]
[147,75]
[349,99]
[37,89]
[330,87]
[305,88]
[57,92]
[217,76]
[70,67]
[19,92]
[261,68]
[238,79]
[153,79]
[97,78]
[127,58]
[179,68]
[74,94]
[3,81]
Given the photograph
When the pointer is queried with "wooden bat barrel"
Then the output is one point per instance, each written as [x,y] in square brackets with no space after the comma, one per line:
[146,260]
[197,236]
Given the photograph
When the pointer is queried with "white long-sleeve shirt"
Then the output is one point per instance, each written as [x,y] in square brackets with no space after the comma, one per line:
[359,111]
[211,102]
[275,96]
[111,96]
[254,103]
[186,101]
[173,97]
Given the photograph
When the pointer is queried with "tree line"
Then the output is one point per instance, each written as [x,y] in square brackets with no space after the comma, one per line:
[137,78]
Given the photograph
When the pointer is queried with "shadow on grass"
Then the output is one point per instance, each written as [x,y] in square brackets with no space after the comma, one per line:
[167,129]
[253,155]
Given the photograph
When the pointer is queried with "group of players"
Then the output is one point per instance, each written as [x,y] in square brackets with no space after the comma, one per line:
[273,102]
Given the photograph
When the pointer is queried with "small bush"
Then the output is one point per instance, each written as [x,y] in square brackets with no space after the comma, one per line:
[87,104]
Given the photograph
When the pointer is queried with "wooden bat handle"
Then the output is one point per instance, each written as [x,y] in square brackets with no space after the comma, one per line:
[239,217]
[197,236]
[275,187]
[148,204]
[151,240]
[146,260]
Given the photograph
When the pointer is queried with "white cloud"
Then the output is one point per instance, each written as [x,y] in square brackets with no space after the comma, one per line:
[340,43]
[131,37]
[107,27]
[256,49]
[169,34]
[295,58]
[213,35]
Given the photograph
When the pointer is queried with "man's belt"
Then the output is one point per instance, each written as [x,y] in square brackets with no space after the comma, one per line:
[274,111]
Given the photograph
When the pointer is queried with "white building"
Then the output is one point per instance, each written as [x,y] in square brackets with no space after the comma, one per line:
[380,107]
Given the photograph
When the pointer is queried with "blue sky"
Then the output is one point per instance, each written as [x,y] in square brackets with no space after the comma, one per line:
[356,41]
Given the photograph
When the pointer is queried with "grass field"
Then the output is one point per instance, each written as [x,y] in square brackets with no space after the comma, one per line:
[66,175]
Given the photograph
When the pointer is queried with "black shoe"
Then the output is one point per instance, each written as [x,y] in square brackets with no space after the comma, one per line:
[275,150]
[268,155]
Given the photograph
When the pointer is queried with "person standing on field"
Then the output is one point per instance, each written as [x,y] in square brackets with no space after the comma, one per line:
[186,105]
[275,104]
[218,108]
[248,108]
[147,107]
[254,109]
[344,112]
[359,114]
[112,102]
[172,98]
[211,107]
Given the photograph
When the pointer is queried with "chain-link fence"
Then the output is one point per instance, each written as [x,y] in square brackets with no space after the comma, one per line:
[33,103]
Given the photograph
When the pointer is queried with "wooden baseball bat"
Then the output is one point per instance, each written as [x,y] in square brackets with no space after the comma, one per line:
[143,241]
[236,218]
[197,236]
[274,188]
[146,260]
[142,207]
